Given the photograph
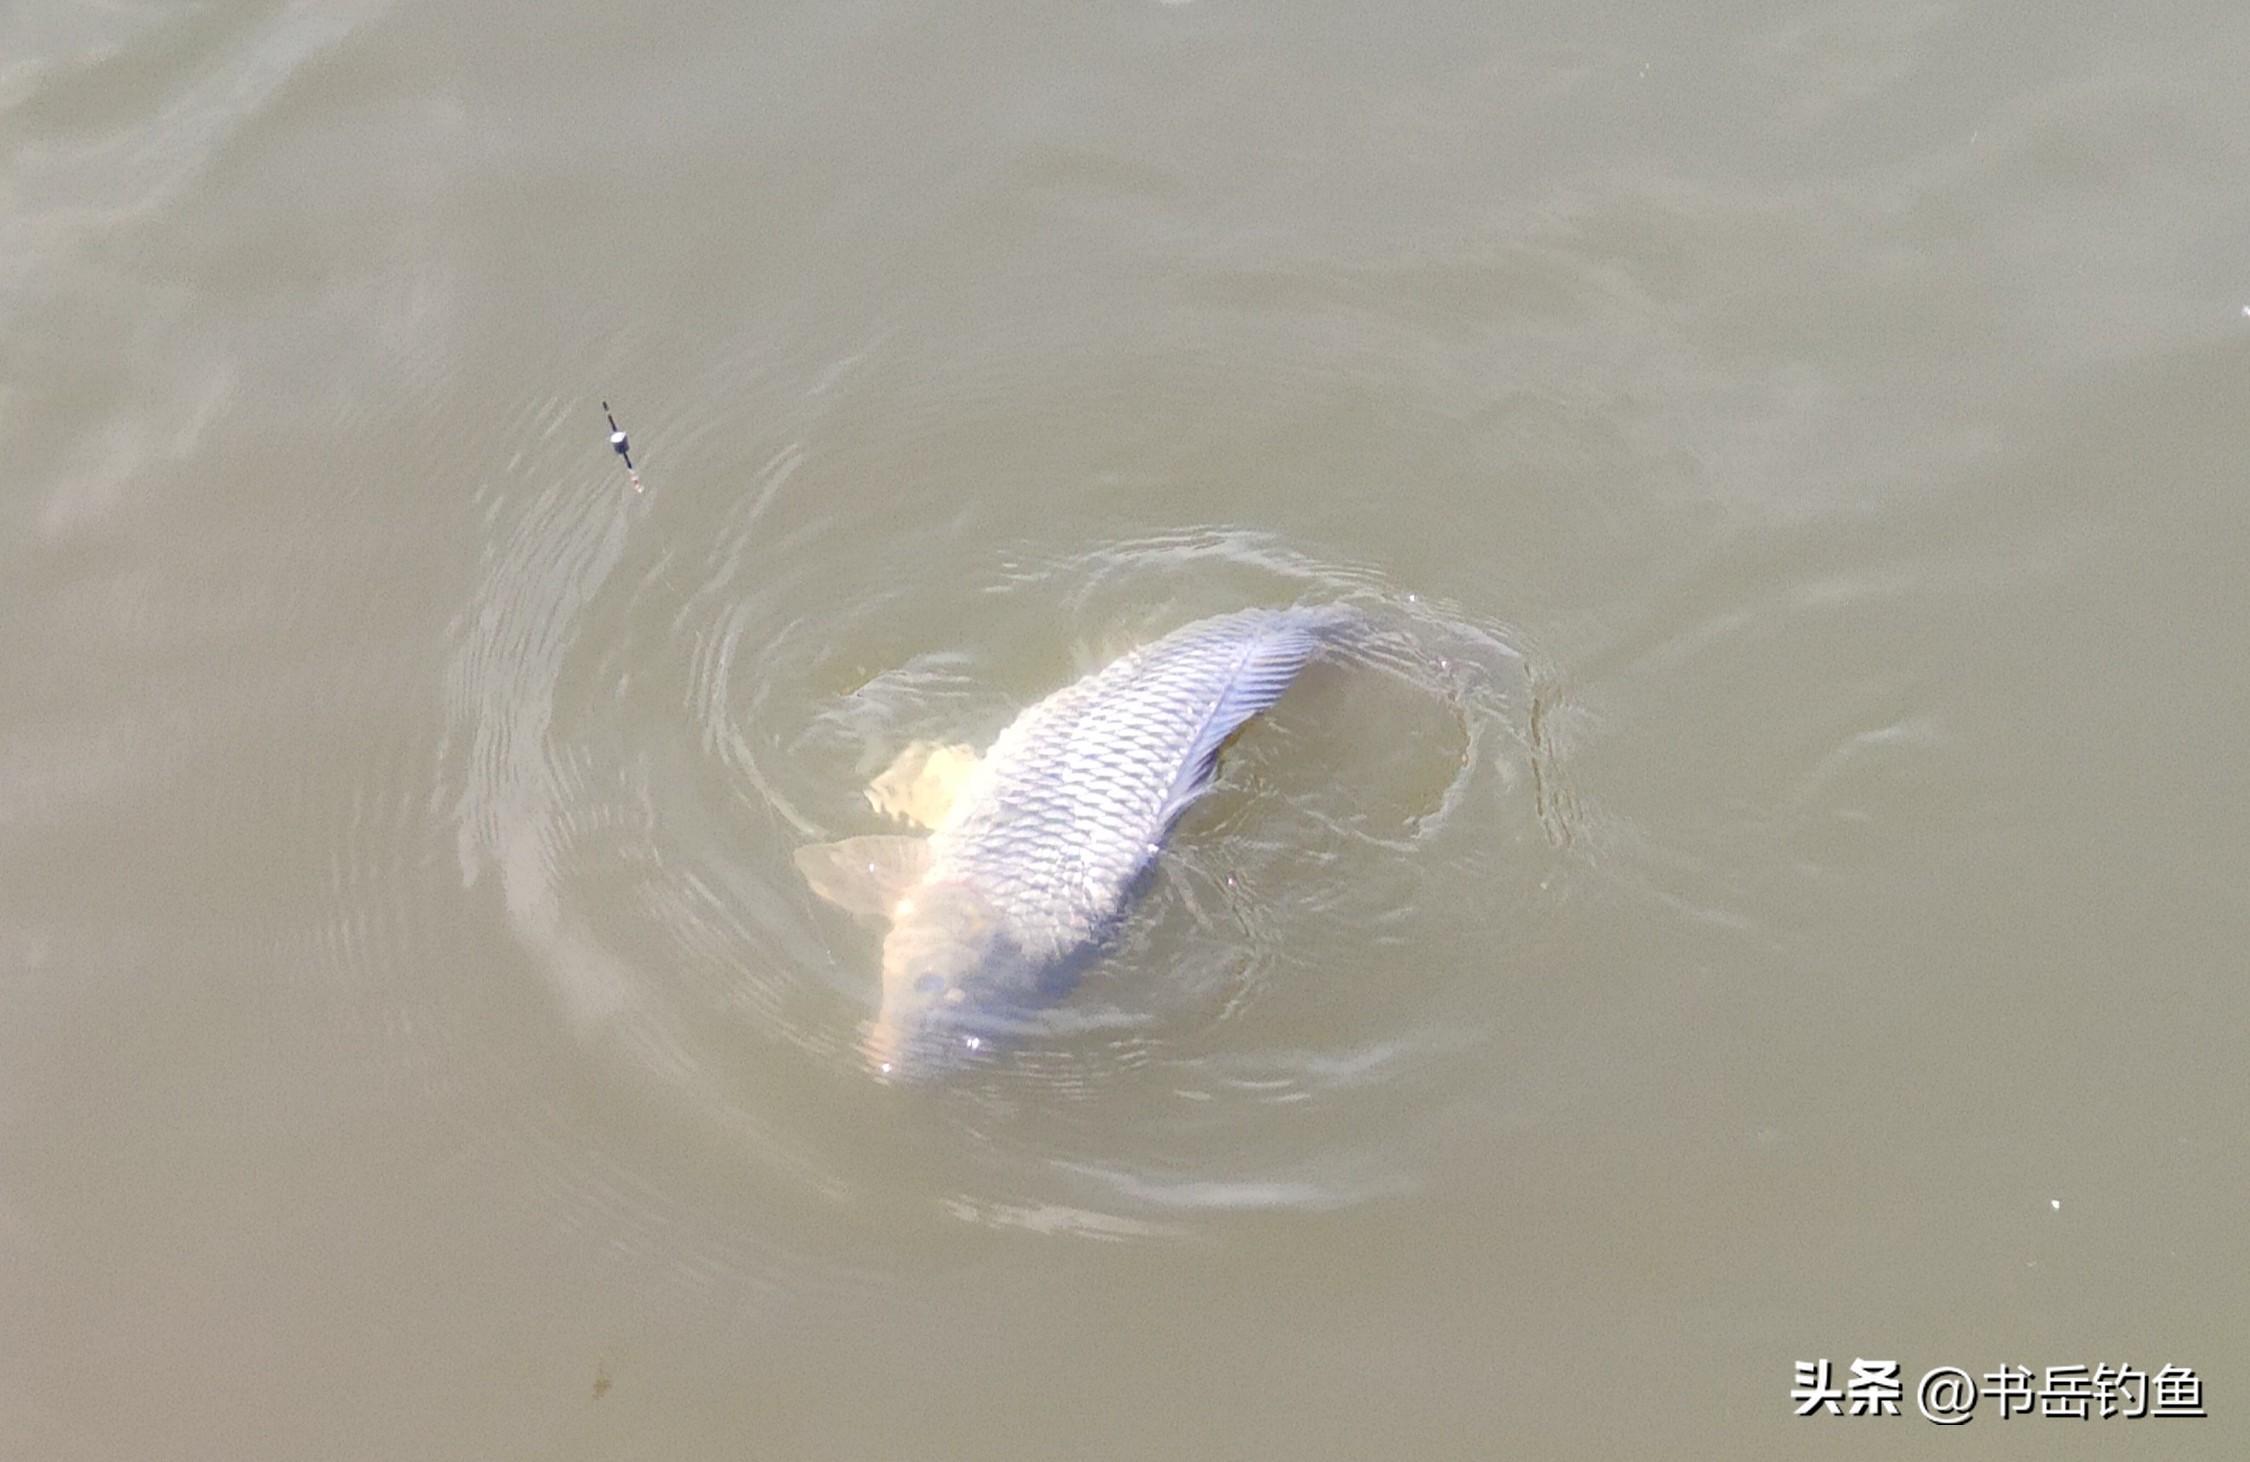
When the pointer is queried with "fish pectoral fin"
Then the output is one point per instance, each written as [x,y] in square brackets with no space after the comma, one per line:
[865,875]
[921,785]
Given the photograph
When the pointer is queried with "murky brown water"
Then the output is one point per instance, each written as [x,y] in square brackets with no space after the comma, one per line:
[1781,894]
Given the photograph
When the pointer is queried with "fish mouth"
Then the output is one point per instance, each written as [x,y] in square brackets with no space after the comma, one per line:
[891,1052]
[882,1051]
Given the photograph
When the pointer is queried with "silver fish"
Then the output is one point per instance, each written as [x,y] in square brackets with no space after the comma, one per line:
[1036,847]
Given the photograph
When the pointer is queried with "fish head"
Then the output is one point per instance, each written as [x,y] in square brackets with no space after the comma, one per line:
[949,972]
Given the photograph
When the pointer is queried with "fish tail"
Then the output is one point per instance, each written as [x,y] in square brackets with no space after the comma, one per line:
[1274,647]
[1328,623]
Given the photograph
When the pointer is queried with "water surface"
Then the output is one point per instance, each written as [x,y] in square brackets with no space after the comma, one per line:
[1777,891]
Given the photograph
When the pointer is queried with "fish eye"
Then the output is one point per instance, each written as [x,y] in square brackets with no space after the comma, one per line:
[929,984]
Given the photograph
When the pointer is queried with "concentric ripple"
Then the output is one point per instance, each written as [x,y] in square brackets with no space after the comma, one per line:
[653,711]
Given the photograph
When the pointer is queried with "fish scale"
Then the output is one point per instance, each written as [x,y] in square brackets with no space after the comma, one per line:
[1040,842]
[1075,796]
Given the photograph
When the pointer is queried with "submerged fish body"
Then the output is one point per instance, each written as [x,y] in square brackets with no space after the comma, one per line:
[1035,848]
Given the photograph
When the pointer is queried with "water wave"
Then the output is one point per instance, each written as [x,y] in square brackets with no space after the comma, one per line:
[650,716]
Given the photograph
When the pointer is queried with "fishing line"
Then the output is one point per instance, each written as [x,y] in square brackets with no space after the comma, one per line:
[775,802]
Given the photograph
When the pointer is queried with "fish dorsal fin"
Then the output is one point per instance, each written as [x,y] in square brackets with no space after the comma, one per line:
[921,785]
[865,875]
[1262,672]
